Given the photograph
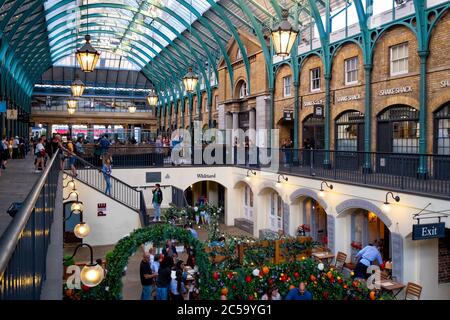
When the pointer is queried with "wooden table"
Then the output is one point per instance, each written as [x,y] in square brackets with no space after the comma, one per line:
[323,256]
[391,286]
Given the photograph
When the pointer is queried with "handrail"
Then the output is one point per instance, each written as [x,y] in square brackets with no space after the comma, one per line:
[92,166]
[13,232]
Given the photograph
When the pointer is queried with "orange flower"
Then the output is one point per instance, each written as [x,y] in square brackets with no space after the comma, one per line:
[372,295]
[224,291]
[265,269]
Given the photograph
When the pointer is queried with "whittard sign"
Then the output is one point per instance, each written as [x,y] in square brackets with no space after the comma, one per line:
[428,231]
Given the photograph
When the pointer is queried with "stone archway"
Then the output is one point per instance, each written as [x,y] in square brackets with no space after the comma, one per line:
[111,287]
[366,205]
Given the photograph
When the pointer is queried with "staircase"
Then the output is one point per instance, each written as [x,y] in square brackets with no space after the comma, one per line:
[121,192]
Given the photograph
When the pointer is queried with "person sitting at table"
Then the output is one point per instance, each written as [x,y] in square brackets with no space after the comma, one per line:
[299,293]
[365,257]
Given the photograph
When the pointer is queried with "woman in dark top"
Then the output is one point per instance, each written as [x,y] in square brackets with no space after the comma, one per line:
[164,279]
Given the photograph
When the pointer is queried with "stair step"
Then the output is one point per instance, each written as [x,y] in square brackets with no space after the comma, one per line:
[244,224]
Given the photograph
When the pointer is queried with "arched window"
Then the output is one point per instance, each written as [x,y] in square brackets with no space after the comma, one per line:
[239,53]
[398,130]
[442,130]
[350,131]
[243,90]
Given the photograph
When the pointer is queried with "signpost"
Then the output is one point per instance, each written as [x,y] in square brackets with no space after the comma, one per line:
[428,231]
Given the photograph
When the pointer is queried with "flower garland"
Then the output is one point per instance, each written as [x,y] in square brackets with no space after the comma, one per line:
[111,287]
[324,284]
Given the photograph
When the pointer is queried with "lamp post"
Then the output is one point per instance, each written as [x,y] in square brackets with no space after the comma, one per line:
[92,273]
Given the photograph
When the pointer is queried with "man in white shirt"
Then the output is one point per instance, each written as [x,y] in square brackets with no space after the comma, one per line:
[366,257]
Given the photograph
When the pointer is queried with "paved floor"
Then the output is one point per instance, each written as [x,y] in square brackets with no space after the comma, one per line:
[15,184]
[131,281]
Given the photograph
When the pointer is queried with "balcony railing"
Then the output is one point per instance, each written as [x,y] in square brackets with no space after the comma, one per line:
[414,173]
[23,246]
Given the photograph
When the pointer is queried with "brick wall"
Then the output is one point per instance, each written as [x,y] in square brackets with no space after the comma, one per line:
[444,258]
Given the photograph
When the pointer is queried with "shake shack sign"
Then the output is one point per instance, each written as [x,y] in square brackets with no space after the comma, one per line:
[428,231]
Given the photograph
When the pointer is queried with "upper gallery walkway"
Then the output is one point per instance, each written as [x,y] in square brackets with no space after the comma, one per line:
[411,173]
[16,182]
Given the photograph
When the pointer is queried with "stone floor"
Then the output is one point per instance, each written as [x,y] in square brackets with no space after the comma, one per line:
[131,281]
[16,183]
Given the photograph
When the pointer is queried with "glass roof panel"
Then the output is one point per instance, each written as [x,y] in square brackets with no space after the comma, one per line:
[118,26]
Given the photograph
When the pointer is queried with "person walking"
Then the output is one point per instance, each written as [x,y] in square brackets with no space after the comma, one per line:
[365,257]
[107,170]
[72,159]
[156,201]
[147,277]
[4,153]
[177,287]
[15,147]
[164,278]
[40,155]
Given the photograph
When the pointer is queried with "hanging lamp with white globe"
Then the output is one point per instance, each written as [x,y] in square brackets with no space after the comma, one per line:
[82,230]
[284,35]
[190,81]
[87,56]
[132,108]
[77,88]
[152,98]
[72,103]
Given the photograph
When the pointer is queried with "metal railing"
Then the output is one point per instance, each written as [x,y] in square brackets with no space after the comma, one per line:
[93,176]
[24,244]
[422,174]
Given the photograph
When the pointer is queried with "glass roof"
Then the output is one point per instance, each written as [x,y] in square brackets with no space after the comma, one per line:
[136,29]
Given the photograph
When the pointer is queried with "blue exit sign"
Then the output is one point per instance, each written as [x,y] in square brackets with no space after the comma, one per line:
[428,231]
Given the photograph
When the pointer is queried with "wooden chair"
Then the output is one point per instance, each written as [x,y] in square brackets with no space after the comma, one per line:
[340,261]
[413,291]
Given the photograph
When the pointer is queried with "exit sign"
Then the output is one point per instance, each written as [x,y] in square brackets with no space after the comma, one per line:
[428,231]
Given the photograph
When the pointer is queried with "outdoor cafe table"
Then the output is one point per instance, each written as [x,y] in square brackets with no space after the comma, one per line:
[394,287]
[323,256]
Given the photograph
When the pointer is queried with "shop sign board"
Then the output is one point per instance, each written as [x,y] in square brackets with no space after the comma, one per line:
[101,209]
[428,231]
[288,115]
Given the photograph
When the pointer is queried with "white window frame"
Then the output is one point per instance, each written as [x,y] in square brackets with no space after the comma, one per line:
[248,201]
[243,94]
[394,58]
[276,212]
[311,74]
[287,86]
[347,63]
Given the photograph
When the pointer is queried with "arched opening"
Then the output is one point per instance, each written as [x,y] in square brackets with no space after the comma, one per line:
[272,215]
[241,90]
[246,214]
[207,191]
[398,133]
[314,132]
[442,142]
[367,227]
[315,220]
[349,137]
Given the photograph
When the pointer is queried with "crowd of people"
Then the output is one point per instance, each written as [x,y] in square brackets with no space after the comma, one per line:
[166,277]
[12,148]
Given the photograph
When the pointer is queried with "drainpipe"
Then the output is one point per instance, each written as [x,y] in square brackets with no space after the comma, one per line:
[423,168]
[367,168]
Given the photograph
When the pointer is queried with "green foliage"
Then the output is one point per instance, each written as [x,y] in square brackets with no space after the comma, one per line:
[243,284]
[111,287]
[68,260]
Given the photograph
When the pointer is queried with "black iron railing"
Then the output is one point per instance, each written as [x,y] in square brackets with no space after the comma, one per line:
[422,174]
[23,246]
[94,177]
